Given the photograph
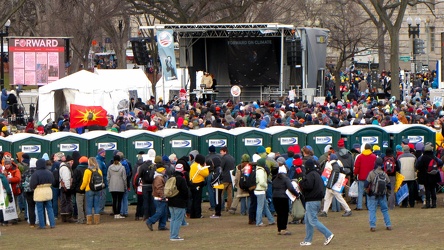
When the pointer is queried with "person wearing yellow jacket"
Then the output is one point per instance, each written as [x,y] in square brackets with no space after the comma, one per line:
[198,172]
[92,197]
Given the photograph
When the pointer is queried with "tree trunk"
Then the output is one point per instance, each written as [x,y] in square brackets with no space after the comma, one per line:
[381,47]
[394,63]
[337,81]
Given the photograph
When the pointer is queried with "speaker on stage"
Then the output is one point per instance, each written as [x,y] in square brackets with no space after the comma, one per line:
[140,51]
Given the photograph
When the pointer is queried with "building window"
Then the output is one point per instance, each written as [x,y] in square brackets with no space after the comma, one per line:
[432,39]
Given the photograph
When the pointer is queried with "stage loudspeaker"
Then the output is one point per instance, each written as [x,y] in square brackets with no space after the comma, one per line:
[185,53]
[140,51]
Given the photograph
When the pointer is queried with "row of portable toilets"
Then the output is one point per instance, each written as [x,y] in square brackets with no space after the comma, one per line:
[238,141]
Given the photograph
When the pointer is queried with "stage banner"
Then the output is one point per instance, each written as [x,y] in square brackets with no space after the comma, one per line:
[36,60]
[253,61]
[165,44]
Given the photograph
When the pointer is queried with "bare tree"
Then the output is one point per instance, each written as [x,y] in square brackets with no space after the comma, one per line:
[9,8]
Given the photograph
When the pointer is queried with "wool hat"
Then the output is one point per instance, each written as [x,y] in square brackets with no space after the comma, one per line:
[428,147]
[200,159]
[376,148]
[333,157]
[327,148]
[309,164]
[165,158]
[158,159]
[411,146]
[83,159]
[179,167]
[212,149]
[41,164]
[45,156]
[405,141]
[356,145]
[272,155]
[282,170]
[101,150]
[260,149]
[281,160]
[160,170]
[341,143]
[150,155]
[245,158]
[379,162]
[367,146]
[268,150]
[398,148]
[419,146]
[25,158]
[69,158]
[297,162]
[261,162]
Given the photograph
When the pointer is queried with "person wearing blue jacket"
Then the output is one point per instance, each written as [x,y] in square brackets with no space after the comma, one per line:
[41,181]
[100,157]
[4,100]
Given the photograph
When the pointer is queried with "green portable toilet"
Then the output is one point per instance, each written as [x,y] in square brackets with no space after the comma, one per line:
[110,141]
[362,134]
[140,140]
[177,141]
[216,137]
[248,139]
[67,143]
[319,136]
[34,145]
[5,144]
[414,132]
[282,137]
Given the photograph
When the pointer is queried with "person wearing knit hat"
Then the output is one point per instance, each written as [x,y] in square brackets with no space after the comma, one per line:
[341,143]
[374,201]
[335,166]
[406,167]
[280,199]
[313,190]
[158,159]
[178,168]
[212,149]
[268,150]
[117,184]
[78,175]
[245,158]
[160,202]
[260,192]
[198,173]
[364,163]
[260,150]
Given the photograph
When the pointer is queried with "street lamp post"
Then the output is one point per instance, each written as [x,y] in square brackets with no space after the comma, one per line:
[3,34]
[414,32]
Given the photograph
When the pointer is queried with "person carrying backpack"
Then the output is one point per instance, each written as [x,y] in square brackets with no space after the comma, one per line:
[425,177]
[92,196]
[390,167]
[146,174]
[28,192]
[377,184]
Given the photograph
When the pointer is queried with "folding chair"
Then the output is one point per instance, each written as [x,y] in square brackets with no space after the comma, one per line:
[440,186]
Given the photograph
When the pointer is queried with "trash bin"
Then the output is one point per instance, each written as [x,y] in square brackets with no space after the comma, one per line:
[67,143]
[362,134]
[34,145]
[282,137]
[247,140]
[318,136]
[414,132]
[214,136]
[177,141]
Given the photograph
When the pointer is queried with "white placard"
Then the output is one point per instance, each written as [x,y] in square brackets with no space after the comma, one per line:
[107,145]
[181,143]
[253,141]
[143,144]
[69,147]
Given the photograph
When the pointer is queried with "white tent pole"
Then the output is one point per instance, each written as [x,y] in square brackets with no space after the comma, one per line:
[281,75]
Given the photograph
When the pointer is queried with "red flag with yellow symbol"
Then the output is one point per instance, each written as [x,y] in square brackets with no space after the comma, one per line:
[81,116]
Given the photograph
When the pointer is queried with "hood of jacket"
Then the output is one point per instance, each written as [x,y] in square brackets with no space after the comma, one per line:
[343,152]
[82,165]
[367,152]
[115,167]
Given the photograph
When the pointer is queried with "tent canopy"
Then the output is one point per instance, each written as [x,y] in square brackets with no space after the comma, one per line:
[108,88]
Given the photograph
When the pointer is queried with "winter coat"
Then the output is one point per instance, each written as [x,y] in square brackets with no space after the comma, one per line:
[87,174]
[4,99]
[261,180]
[364,163]
[312,186]
[158,185]
[280,185]
[14,178]
[227,164]
[102,165]
[240,192]
[41,176]
[116,177]
[181,199]
[78,177]
[199,175]
[406,163]
[422,167]
[346,159]
[65,173]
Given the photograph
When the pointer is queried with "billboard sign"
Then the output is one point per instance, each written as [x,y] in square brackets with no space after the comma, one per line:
[36,60]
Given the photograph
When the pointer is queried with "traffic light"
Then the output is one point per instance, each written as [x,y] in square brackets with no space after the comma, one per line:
[140,51]
[418,46]
[294,52]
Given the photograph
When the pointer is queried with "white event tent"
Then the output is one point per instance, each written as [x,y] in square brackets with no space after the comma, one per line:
[108,88]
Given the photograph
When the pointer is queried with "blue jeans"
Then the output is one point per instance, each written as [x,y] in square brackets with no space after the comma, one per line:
[262,206]
[177,216]
[373,202]
[102,200]
[311,221]
[160,215]
[210,192]
[148,201]
[22,204]
[55,201]
[245,204]
[41,206]
[92,201]
[360,194]
[270,197]
[124,207]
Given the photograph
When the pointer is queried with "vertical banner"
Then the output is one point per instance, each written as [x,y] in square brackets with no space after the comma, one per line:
[165,43]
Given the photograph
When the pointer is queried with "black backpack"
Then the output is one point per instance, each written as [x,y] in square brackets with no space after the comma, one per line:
[247,181]
[148,175]
[56,174]
[379,184]
[96,181]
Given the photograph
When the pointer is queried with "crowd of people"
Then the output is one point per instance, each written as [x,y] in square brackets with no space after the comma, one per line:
[263,184]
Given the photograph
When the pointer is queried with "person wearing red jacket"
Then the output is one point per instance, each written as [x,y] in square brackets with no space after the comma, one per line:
[364,163]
